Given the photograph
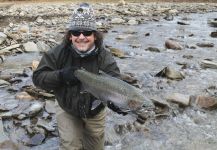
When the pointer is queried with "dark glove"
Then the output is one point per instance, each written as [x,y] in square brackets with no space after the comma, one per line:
[115,108]
[67,76]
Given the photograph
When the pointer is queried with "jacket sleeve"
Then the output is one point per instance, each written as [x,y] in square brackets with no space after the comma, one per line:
[46,76]
[109,65]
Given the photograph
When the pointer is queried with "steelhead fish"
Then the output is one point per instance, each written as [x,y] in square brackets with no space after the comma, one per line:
[107,88]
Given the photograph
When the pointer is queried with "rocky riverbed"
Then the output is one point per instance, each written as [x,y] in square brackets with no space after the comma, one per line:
[168,50]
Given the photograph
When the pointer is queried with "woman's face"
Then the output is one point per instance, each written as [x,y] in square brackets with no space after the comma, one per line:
[83,40]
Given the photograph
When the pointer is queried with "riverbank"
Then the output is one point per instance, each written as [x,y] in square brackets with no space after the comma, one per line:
[178,79]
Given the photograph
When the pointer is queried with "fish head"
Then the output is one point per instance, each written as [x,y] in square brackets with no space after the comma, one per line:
[138,101]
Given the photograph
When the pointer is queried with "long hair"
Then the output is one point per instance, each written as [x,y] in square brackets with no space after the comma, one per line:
[97,34]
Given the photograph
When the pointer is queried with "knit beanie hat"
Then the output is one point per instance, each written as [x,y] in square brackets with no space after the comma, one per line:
[82,18]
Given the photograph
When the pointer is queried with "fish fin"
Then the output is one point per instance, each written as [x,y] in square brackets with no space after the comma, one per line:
[103,73]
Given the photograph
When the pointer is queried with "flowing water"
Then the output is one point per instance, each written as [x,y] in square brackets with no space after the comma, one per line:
[190,128]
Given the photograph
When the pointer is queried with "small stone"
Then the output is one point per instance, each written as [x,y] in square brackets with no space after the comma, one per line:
[213,22]
[135,45]
[132,22]
[35,108]
[170,73]
[152,49]
[170,44]
[22,13]
[24,96]
[205,44]
[39,20]
[179,98]
[182,23]
[206,102]
[213,34]
[49,107]
[117,52]
[4,83]
[30,47]
[208,64]
[23,29]
[42,46]
[117,21]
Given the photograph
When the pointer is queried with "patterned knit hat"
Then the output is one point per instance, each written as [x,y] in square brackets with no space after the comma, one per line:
[82,18]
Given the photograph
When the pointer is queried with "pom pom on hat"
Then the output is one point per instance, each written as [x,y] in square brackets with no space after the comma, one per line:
[82,18]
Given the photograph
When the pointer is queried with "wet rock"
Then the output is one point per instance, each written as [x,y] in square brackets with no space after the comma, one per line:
[122,128]
[187,56]
[117,21]
[132,22]
[159,102]
[180,99]
[182,23]
[212,90]
[22,107]
[208,64]
[35,108]
[35,64]
[35,140]
[205,44]
[117,52]
[6,115]
[2,59]
[32,130]
[42,47]
[147,34]
[50,107]
[46,115]
[4,83]
[48,126]
[8,105]
[122,37]
[213,34]
[213,22]
[38,93]
[130,32]
[169,17]
[207,102]
[152,49]
[24,96]
[170,44]
[3,37]
[135,45]
[22,116]
[3,135]
[30,47]
[170,74]
[9,48]
[6,77]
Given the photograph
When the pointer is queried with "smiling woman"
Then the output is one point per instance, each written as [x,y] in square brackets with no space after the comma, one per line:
[80,115]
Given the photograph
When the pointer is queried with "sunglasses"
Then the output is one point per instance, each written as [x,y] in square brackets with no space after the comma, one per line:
[85,33]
